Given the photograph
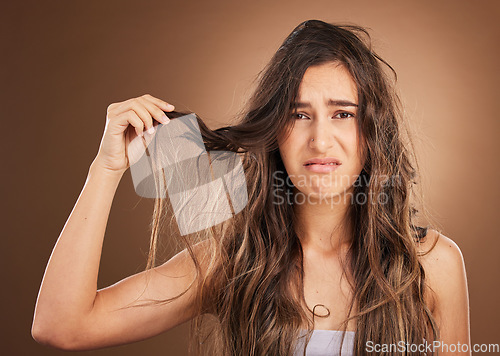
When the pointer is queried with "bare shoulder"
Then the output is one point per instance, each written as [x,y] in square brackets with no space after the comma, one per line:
[439,253]
[443,264]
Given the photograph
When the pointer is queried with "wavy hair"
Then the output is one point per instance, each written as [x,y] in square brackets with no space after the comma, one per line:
[252,282]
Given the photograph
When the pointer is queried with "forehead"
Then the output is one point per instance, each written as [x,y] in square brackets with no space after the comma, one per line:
[327,81]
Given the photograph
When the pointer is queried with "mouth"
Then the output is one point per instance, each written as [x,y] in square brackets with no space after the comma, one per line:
[322,165]
[328,161]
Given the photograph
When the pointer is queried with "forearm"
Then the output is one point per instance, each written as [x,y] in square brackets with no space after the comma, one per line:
[69,285]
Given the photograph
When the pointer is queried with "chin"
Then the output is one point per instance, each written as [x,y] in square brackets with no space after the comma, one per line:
[316,194]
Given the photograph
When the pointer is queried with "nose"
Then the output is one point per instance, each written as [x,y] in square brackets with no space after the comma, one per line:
[321,138]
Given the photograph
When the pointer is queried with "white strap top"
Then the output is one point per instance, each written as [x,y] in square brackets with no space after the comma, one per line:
[326,342]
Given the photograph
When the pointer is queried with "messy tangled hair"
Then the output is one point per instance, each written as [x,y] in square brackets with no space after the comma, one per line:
[252,282]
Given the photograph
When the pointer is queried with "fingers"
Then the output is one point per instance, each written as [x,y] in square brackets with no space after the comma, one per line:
[154,111]
[140,112]
[158,102]
[135,121]
[126,105]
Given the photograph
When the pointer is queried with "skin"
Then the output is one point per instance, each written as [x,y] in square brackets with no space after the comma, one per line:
[319,221]
[72,314]
[335,133]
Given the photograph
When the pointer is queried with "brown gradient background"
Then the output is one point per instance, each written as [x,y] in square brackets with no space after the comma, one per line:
[64,62]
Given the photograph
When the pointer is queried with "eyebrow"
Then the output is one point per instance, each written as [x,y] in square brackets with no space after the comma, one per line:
[330,102]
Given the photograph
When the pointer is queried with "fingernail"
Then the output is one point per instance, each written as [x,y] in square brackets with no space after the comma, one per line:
[171,107]
[151,130]
[164,119]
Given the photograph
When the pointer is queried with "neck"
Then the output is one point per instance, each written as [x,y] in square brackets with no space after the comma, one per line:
[322,225]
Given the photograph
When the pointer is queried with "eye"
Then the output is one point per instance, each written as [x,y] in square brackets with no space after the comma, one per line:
[344,115]
[298,116]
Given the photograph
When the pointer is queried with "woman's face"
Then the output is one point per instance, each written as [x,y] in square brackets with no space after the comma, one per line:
[325,130]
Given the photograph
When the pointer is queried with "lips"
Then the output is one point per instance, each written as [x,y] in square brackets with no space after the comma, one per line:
[327,161]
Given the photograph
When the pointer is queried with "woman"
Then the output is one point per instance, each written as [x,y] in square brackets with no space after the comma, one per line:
[326,244]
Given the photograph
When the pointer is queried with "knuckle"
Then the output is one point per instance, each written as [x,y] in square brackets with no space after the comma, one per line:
[129,116]
[110,107]
[142,100]
[160,113]
[132,115]
[130,102]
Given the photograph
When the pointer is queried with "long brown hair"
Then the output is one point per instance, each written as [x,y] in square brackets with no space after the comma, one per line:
[252,284]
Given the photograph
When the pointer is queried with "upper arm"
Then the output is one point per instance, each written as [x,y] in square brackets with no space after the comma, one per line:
[446,274]
[114,321]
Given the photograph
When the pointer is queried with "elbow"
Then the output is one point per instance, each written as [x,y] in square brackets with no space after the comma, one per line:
[44,336]
[57,338]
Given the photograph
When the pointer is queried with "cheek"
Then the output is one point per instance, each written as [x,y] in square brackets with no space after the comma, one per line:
[288,148]
[360,148]
[286,153]
[352,143]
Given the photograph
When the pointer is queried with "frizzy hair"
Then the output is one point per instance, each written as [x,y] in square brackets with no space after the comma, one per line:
[250,273]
